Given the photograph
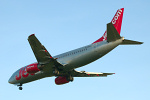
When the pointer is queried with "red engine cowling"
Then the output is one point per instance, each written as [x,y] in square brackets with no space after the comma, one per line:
[61,80]
[32,68]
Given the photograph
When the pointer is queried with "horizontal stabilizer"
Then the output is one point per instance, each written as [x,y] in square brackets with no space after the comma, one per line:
[112,33]
[130,42]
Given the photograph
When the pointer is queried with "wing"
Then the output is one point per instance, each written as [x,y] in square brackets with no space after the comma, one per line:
[89,74]
[40,52]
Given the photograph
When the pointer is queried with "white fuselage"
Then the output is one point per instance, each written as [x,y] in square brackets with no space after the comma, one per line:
[73,59]
[85,55]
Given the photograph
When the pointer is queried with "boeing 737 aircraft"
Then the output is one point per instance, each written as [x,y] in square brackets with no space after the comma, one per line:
[63,66]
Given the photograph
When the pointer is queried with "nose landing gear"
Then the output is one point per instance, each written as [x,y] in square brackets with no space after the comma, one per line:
[20,86]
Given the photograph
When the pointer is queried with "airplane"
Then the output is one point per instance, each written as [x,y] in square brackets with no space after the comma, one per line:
[63,66]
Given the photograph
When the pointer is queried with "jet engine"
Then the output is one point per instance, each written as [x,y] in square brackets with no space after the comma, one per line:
[61,80]
[32,68]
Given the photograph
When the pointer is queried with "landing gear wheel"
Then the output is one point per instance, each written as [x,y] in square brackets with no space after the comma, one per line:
[20,88]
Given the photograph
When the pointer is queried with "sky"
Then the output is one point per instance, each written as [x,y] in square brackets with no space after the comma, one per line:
[64,25]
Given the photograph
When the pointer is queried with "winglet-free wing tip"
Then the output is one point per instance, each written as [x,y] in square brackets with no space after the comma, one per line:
[111,73]
[31,35]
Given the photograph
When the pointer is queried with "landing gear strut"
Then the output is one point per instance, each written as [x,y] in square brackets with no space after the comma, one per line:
[56,72]
[70,78]
[20,86]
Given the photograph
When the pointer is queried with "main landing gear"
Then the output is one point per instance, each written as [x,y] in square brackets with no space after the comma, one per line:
[20,86]
[70,78]
[56,72]
[67,75]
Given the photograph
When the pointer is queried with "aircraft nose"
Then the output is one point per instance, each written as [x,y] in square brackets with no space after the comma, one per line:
[11,80]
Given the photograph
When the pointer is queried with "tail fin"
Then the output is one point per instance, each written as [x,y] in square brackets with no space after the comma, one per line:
[116,21]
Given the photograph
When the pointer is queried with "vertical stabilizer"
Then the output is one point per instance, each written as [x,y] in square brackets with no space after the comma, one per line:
[116,21]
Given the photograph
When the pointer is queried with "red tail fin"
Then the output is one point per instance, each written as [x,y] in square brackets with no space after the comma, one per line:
[116,21]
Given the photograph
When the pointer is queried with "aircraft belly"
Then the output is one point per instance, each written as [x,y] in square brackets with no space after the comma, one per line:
[34,77]
[104,49]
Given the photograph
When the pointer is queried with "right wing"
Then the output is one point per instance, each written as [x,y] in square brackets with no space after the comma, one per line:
[75,73]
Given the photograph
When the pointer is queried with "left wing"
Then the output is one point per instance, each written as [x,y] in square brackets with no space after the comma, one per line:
[40,52]
[75,73]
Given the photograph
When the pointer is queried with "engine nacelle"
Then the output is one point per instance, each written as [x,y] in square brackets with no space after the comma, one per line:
[61,80]
[32,68]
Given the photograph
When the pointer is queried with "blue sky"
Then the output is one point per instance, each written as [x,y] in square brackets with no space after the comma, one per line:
[63,25]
